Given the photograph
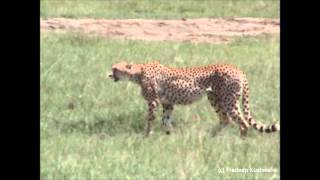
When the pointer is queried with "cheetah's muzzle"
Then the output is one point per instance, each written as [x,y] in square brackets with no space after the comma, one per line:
[112,76]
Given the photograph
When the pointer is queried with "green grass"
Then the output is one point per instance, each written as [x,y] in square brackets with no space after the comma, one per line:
[91,128]
[164,9]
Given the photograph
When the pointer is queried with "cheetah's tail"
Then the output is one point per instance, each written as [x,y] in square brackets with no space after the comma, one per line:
[252,122]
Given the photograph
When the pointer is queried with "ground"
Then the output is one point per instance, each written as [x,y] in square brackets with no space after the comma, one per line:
[92,128]
[185,30]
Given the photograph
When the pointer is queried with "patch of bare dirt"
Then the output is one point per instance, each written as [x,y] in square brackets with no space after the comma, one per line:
[193,30]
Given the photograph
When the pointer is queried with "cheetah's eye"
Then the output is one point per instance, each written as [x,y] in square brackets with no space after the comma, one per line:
[128,66]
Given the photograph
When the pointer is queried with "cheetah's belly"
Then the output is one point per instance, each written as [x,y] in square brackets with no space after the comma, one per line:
[178,94]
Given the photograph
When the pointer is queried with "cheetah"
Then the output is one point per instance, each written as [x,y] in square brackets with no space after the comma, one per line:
[222,83]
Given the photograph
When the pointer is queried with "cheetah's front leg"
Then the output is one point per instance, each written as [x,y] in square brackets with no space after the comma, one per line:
[150,118]
[166,119]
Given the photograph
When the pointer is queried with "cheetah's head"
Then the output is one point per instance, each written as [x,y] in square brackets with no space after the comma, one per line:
[124,70]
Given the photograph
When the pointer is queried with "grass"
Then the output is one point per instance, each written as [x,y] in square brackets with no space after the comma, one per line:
[91,128]
[164,9]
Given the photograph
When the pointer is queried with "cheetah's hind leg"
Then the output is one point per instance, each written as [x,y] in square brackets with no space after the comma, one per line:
[223,122]
[223,118]
[233,111]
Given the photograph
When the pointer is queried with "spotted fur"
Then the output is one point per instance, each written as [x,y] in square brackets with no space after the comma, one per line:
[223,84]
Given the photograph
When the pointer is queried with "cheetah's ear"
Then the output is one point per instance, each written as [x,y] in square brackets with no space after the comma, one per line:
[128,66]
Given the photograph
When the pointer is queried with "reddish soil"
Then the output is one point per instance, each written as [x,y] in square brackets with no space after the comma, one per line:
[193,30]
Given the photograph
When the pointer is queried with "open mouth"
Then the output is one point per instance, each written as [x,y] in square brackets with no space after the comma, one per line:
[115,79]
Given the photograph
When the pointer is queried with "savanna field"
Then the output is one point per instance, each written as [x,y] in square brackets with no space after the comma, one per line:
[92,128]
